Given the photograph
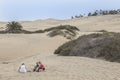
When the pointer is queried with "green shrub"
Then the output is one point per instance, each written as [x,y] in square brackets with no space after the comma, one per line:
[14,27]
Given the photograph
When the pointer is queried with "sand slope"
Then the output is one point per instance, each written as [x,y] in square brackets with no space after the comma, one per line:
[62,68]
[39,47]
[29,48]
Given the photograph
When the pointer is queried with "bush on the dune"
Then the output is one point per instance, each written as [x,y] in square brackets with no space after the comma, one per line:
[111,52]
[104,46]
[68,27]
[14,27]
[63,30]
[38,31]
[102,31]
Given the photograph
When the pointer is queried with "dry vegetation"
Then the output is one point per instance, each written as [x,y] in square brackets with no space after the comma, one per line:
[66,31]
[104,46]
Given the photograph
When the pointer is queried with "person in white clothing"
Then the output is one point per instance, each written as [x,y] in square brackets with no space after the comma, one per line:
[22,68]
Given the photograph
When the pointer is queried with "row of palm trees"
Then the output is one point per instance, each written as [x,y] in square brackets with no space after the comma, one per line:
[98,12]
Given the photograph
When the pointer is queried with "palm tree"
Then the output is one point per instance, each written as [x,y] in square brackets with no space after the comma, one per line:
[14,27]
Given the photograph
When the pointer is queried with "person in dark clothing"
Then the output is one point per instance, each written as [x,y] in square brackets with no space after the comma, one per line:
[37,67]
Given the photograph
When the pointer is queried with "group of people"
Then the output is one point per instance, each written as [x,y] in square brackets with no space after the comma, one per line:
[37,68]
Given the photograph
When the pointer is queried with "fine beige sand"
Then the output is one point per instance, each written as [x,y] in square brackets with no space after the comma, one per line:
[30,48]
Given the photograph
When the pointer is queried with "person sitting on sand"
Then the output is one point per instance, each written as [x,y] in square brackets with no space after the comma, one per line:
[42,67]
[22,68]
[37,67]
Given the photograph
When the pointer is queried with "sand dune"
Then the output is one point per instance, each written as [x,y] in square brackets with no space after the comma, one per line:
[21,45]
[89,24]
[29,48]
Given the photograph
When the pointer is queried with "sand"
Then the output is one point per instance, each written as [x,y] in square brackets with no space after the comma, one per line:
[30,48]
